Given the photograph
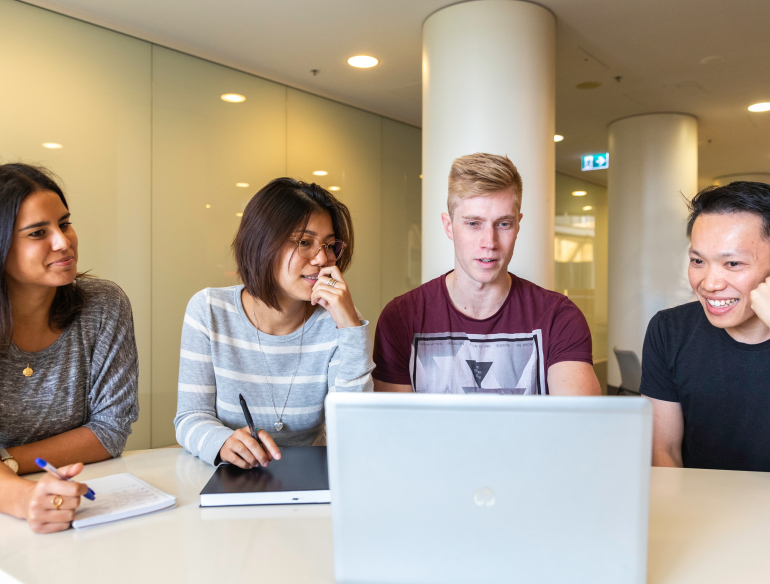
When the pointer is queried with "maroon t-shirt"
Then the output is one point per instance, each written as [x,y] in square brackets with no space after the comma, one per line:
[422,340]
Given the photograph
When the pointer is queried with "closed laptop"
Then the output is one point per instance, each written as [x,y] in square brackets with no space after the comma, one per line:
[460,489]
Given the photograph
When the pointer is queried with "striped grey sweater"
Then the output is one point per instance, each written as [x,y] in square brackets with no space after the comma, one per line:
[220,358]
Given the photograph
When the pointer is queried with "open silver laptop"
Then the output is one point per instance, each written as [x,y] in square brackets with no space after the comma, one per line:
[445,488]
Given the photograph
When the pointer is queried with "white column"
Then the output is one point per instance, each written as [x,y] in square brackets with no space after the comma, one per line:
[488,86]
[653,163]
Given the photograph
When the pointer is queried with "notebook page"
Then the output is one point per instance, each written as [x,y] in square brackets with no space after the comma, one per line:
[119,496]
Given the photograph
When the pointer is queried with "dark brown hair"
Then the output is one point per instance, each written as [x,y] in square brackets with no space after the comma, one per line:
[17,182]
[277,210]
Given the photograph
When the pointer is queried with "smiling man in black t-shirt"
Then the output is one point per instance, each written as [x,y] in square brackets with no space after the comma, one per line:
[706,365]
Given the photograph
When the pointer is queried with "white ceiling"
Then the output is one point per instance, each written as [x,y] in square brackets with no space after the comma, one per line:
[654,46]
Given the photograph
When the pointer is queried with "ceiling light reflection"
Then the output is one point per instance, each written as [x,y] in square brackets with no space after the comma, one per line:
[558,138]
[579,193]
[320,172]
[232,97]
[52,145]
[760,107]
[334,188]
[242,185]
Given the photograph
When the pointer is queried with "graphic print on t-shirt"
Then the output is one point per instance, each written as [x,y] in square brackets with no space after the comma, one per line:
[464,363]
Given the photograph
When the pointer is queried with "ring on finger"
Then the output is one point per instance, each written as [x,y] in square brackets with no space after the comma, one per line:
[332,282]
[57,502]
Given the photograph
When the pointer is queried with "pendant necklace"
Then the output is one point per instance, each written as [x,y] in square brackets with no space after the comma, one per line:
[279,424]
[27,371]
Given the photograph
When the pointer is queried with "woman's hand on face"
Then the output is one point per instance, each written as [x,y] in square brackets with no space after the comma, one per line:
[242,450]
[43,514]
[336,299]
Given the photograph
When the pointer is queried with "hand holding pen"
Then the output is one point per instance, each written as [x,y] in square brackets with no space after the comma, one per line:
[249,447]
[51,502]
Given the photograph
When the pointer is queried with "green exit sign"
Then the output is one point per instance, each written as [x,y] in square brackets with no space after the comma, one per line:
[595,161]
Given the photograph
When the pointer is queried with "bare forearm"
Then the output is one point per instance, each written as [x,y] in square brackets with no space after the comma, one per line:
[665,457]
[573,378]
[78,445]
[667,433]
[14,493]
[391,387]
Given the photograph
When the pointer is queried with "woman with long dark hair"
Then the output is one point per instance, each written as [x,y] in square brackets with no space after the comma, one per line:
[68,361]
[284,338]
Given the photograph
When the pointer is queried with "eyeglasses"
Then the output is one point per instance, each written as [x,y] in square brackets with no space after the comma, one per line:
[308,248]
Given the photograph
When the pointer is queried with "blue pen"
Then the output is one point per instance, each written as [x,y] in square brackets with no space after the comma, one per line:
[90,495]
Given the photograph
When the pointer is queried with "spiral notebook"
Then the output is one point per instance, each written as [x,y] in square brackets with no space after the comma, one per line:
[120,496]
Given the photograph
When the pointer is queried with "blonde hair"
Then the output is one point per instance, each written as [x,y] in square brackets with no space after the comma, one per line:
[481,174]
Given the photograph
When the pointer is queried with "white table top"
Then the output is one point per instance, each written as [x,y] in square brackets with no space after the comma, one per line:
[705,526]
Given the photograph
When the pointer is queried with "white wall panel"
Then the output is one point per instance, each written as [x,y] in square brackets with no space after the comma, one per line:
[87,89]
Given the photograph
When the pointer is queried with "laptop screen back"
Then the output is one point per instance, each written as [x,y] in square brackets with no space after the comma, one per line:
[431,488]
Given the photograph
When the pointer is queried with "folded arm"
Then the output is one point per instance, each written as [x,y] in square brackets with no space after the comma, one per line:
[78,445]
[350,368]
[573,378]
[667,433]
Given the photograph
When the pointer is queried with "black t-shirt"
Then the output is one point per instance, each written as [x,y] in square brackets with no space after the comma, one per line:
[722,385]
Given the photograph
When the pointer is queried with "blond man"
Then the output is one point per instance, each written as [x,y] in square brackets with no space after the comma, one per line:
[479,328]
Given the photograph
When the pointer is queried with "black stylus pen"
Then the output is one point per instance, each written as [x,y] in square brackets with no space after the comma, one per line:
[249,420]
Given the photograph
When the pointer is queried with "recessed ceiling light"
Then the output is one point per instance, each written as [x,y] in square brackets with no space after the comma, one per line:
[52,145]
[242,185]
[208,206]
[757,107]
[579,193]
[588,85]
[558,138]
[713,60]
[239,214]
[362,61]
[233,97]
[334,188]
[587,208]
[320,172]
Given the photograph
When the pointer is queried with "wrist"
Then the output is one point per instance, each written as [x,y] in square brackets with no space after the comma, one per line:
[17,493]
[348,320]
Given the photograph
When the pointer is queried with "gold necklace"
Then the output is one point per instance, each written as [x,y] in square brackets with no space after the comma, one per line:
[27,371]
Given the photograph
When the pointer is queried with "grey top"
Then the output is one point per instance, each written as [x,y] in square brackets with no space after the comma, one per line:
[221,357]
[87,377]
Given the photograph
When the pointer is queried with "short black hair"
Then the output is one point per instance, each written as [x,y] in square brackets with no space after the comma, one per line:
[737,197]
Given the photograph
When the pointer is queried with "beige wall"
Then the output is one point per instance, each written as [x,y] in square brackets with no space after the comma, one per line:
[88,89]
[148,144]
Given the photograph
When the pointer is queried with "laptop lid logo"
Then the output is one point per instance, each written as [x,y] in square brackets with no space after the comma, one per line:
[484,497]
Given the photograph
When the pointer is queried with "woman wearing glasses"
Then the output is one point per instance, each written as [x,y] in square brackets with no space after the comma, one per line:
[283,339]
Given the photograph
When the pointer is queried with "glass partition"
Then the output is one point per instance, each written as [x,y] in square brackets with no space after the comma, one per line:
[345,143]
[203,148]
[158,167]
[401,209]
[581,254]
[87,91]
